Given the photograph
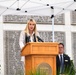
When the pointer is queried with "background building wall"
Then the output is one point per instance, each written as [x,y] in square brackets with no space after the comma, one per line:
[64,29]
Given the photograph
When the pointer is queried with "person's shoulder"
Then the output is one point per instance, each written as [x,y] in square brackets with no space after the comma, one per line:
[56,56]
[37,33]
[23,31]
[66,55]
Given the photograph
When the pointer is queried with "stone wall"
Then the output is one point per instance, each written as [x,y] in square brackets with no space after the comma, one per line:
[73,17]
[74,47]
[12,53]
[59,19]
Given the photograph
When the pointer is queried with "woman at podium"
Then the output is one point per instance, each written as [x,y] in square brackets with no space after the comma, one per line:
[29,34]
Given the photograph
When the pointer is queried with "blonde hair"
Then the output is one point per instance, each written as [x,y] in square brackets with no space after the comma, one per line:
[35,29]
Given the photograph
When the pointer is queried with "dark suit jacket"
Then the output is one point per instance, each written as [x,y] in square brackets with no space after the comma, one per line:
[66,62]
[27,38]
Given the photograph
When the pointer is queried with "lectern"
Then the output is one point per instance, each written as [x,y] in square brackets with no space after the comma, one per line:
[40,55]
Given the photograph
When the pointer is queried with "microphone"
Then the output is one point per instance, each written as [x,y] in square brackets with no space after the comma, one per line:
[39,39]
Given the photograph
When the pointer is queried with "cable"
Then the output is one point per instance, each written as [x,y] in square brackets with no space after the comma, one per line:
[64,8]
[8,8]
[4,11]
[37,3]
[37,9]
[50,4]
[41,4]
[61,2]
[13,3]
[24,3]
[32,7]
[70,5]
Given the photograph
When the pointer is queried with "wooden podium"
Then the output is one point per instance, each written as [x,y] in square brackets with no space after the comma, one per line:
[40,55]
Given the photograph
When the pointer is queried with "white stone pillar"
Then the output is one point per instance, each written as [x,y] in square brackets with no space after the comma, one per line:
[1,48]
[68,34]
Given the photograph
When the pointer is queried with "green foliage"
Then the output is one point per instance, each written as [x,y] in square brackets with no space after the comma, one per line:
[69,70]
[37,72]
